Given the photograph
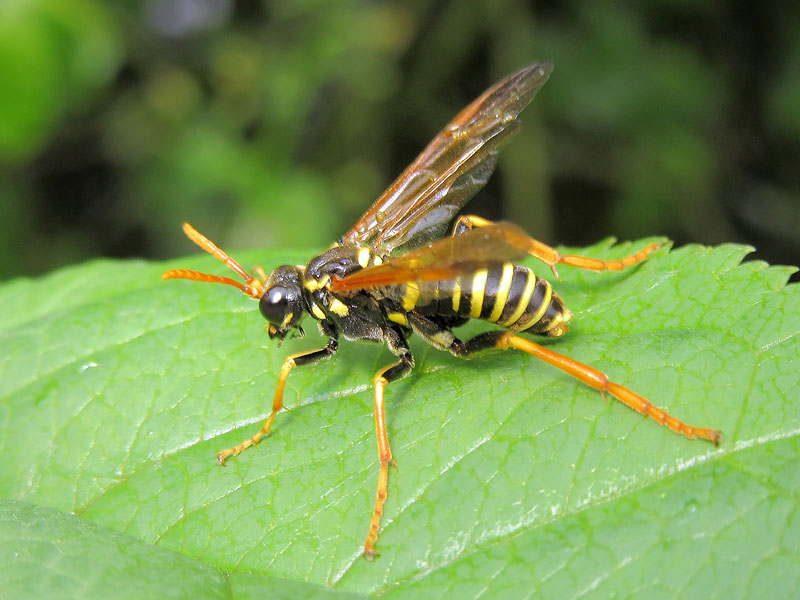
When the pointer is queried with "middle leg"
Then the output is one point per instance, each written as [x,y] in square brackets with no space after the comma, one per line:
[397,344]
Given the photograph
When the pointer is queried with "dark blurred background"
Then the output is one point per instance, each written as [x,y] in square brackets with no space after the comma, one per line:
[277,122]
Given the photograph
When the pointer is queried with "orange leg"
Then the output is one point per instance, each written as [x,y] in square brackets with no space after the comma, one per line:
[260,274]
[592,377]
[291,361]
[551,256]
[381,380]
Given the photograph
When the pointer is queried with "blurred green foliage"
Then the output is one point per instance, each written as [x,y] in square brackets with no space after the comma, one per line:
[277,122]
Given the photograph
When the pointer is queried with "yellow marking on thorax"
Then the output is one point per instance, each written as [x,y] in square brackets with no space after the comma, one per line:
[312,285]
[456,295]
[339,308]
[411,295]
[530,284]
[363,257]
[548,294]
[397,317]
[502,292]
[317,311]
[478,289]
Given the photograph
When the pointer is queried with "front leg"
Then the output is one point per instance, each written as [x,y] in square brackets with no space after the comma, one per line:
[291,361]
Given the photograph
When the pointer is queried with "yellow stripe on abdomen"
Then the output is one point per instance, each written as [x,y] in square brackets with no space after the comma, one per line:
[502,292]
[478,289]
[534,318]
[456,295]
[410,296]
[530,284]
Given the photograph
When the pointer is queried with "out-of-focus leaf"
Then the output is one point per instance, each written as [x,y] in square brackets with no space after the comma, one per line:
[52,55]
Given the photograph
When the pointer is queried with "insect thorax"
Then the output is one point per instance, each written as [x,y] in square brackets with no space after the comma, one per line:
[356,315]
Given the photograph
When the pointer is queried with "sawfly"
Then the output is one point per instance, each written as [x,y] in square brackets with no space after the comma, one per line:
[397,272]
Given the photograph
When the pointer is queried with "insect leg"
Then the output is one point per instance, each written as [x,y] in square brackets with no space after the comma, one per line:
[382,378]
[291,361]
[259,271]
[551,256]
[588,375]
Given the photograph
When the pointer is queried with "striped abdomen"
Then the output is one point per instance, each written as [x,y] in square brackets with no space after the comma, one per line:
[510,295]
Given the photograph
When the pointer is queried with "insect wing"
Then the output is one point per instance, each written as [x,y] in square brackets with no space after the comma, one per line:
[443,259]
[421,202]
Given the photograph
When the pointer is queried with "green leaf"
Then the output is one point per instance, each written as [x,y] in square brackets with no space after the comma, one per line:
[514,480]
[50,548]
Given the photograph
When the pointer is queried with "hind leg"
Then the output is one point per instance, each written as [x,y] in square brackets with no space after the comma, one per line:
[551,256]
[589,375]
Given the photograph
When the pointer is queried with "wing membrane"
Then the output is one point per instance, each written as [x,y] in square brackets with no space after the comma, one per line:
[421,202]
[443,259]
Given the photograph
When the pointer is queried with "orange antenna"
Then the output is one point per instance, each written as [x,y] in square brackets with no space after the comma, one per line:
[252,287]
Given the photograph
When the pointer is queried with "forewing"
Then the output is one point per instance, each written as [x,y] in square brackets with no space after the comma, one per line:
[443,259]
[418,206]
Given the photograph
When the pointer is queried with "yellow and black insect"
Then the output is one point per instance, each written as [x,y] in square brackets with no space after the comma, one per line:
[391,275]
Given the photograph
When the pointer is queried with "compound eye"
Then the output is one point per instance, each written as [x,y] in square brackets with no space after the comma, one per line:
[274,303]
